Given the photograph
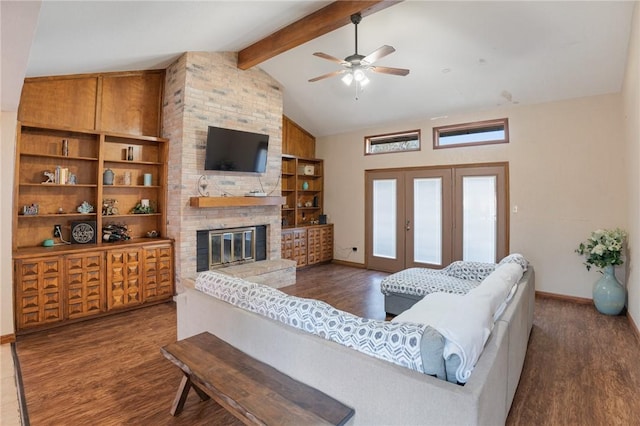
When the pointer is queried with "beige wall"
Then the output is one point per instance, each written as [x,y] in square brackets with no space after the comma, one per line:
[631,110]
[567,177]
[7,153]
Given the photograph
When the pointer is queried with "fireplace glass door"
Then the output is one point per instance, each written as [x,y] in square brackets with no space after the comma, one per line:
[231,246]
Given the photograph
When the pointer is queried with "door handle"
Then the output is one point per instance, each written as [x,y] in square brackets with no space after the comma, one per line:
[408,225]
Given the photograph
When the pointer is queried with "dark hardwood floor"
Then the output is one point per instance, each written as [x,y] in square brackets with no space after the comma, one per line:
[581,368]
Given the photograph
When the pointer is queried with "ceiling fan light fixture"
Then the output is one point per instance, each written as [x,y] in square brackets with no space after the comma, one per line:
[358,74]
[357,66]
[347,78]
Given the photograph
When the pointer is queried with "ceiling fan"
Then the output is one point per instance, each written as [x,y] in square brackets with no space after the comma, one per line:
[355,65]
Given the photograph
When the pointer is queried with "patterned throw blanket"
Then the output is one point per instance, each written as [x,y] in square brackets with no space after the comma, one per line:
[457,278]
[398,343]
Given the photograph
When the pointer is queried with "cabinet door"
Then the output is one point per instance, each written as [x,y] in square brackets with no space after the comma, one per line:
[124,278]
[62,101]
[158,272]
[294,246]
[85,284]
[38,291]
[326,242]
[130,103]
[286,245]
[300,246]
[314,249]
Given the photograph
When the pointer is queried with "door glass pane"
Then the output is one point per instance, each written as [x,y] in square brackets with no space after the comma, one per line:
[427,216]
[248,244]
[226,247]
[237,246]
[216,250]
[479,203]
[384,218]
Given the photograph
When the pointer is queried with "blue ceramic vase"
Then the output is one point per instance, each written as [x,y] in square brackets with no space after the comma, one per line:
[609,295]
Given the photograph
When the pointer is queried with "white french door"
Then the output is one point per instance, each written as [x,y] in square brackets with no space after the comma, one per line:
[385,219]
[428,216]
[431,216]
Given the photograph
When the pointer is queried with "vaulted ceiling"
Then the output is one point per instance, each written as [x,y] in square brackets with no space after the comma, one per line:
[463,56]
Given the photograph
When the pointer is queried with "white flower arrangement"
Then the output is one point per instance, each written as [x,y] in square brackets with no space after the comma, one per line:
[603,248]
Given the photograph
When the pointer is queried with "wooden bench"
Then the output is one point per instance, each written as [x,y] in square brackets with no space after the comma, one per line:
[253,391]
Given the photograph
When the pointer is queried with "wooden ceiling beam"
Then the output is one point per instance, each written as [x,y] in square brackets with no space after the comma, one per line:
[323,21]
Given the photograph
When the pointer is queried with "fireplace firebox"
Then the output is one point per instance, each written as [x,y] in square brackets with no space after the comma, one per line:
[232,246]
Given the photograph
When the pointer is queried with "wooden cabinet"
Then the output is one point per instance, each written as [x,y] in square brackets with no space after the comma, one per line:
[302,187]
[84,278]
[120,102]
[61,101]
[304,239]
[131,102]
[294,245]
[313,246]
[38,291]
[68,284]
[76,128]
[124,278]
[308,245]
[158,272]
[326,243]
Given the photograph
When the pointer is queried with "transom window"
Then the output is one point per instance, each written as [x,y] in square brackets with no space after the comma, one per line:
[477,133]
[392,142]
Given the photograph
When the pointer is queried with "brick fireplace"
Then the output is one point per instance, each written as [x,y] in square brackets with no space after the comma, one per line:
[207,89]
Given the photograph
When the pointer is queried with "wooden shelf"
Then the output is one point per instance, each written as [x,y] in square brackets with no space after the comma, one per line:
[235,201]
[134,163]
[59,157]
[50,215]
[293,182]
[59,185]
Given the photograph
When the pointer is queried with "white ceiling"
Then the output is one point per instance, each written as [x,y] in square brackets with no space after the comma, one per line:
[463,56]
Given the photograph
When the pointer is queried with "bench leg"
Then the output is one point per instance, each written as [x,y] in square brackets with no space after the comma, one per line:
[181,395]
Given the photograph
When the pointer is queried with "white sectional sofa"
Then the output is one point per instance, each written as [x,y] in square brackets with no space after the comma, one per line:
[380,391]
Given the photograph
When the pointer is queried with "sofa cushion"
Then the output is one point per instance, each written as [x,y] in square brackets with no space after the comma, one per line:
[431,348]
[468,270]
[451,365]
[423,281]
[515,258]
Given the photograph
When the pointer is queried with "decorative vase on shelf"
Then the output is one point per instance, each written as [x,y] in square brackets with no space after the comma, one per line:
[107,177]
[305,185]
[609,295]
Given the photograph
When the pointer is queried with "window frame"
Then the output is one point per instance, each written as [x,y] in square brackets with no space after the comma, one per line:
[379,139]
[476,125]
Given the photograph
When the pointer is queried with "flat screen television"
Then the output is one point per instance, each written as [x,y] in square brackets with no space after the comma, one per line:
[236,151]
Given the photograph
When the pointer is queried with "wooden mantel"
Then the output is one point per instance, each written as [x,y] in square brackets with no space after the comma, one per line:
[235,201]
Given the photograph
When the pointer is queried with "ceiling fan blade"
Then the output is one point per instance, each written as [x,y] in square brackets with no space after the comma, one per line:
[330,58]
[378,54]
[331,74]
[388,70]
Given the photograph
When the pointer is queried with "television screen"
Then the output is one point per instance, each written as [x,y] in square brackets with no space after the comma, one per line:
[235,150]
